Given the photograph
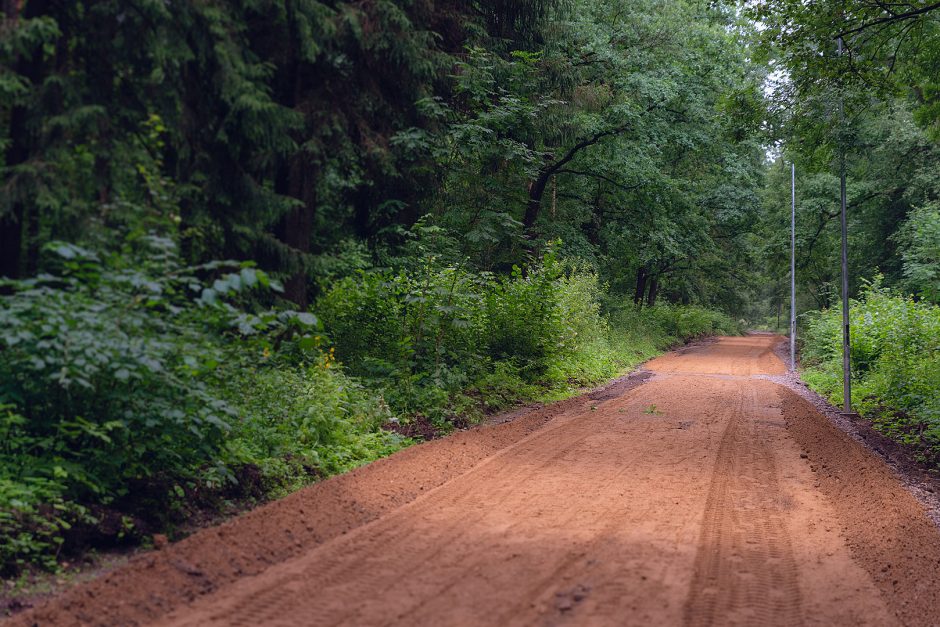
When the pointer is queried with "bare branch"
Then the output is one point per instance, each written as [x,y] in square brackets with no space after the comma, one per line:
[598,175]
[892,17]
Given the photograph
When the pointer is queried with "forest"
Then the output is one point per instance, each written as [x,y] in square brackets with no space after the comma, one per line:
[249,244]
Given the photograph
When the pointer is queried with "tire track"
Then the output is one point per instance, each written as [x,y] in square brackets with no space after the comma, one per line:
[744,569]
[432,529]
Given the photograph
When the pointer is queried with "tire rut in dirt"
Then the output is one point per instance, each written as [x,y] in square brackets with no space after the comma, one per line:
[343,584]
[745,572]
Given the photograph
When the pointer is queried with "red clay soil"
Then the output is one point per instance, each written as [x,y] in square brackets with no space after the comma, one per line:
[154,583]
[702,497]
[889,535]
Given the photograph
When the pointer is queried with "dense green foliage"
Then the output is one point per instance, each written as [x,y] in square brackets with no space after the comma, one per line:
[896,364]
[868,108]
[132,384]
[307,135]
[238,238]
[874,110]
[437,333]
[892,184]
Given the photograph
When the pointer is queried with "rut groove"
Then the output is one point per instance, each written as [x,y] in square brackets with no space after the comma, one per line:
[745,572]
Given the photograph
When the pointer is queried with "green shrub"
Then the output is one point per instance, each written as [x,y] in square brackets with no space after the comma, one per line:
[300,423]
[427,334]
[895,350]
[134,383]
[105,366]
[432,334]
[686,322]
[545,319]
[386,324]
[33,513]
[919,239]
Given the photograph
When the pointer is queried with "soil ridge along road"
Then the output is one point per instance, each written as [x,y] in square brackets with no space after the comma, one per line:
[704,496]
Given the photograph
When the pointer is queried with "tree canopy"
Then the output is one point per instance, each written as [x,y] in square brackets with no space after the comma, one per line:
[289,131]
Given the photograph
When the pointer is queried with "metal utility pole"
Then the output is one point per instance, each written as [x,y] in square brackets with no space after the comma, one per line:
[792,266]
[846,335]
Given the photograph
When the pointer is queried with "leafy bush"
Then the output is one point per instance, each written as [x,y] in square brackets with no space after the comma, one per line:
[301,423]
[895,350]
[33,512]
[105,364]
[430,335]
[686,322]
[919,238]
[133,383]
[386,323]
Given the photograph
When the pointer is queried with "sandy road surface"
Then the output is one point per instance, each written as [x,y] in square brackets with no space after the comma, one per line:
[702,497]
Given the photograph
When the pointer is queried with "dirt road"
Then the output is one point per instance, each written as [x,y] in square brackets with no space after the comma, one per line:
[704,496]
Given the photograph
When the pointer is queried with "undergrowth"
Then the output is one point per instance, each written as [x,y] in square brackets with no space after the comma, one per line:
[135,390]
[895,350]
[444,342]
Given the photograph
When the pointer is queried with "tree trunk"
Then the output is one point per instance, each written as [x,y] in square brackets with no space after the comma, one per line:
[592,229]
[654,290]
[11,241]
[296,228]
[13,220]
[297,179]
[534,206]
[99,67]
[641,275]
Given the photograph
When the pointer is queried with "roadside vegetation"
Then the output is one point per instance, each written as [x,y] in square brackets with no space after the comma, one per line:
[139,391]
[895,363]
[136,389]
[885,83]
